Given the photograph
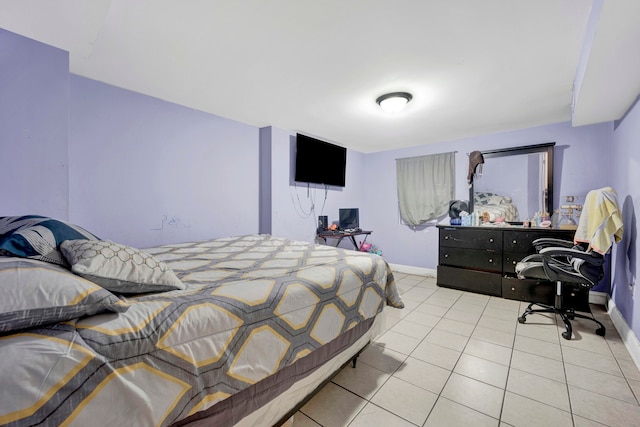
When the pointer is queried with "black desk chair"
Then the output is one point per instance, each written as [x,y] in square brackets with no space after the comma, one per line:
[562,262]
[580,262]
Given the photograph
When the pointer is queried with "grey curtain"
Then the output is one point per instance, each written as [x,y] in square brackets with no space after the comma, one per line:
[426,185]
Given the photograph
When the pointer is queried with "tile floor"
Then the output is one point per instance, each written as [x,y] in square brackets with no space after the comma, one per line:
[453,358]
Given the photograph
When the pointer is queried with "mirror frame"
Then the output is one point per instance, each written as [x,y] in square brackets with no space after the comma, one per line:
[546,148]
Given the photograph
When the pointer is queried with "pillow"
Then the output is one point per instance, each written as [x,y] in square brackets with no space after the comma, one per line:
[36,293]
[481,198]
[497,200]
[490,199]
[38,237]
[119,268]
[6,226]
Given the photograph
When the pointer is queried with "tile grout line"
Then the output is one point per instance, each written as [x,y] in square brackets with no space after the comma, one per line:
[458,298]
[506,383]
[458,360]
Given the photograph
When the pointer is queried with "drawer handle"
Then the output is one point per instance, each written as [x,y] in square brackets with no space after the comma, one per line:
[515,262]
[515,241]
[446,255]
[490,240]
[513,289]
[490,259]
[446,237]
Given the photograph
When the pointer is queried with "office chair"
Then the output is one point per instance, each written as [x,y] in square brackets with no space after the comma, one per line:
[580,262]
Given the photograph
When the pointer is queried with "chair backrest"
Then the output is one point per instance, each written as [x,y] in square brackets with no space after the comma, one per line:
[600,221]
[592,273]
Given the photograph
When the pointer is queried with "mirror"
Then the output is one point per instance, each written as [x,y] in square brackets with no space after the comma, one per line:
[515,183]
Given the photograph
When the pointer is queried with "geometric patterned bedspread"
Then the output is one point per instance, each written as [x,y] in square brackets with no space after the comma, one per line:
[252,305]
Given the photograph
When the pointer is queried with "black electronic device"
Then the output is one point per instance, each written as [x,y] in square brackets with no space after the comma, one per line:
[456,207]
[323,223]
[349,219]
[319,162]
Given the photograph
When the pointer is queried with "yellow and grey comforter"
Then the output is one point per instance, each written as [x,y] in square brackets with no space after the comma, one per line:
[252,306]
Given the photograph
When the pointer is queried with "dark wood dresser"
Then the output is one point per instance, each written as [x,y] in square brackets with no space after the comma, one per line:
[483,260]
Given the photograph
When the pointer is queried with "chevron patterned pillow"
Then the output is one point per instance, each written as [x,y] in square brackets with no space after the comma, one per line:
[38,237]
[119,268]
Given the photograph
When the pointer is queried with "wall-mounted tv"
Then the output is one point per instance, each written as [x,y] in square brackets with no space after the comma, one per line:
[319,162]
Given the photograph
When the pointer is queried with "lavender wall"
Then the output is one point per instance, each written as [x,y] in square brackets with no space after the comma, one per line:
[575,149]
[625,175]
[142,171]
[34,87]
[146,172]
[295,208]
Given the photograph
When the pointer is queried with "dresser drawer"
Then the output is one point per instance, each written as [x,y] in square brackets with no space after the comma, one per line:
[469,280]
[470,238]
[576,296]
[544,292]
[471,258]
[522,241]
[509,261]
[529,290]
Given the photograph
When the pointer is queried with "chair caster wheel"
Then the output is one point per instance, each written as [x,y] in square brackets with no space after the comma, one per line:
[522,319]
[566,336]
[601,331]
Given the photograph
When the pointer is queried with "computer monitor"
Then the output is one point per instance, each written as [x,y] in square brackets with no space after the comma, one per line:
[349,218]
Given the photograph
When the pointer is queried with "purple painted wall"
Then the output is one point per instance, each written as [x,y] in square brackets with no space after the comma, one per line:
[142,171]
[34,95]
[625,175]
[295,208]
[145,172]
[575,148]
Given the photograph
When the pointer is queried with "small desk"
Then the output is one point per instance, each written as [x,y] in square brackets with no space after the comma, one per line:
[324,235]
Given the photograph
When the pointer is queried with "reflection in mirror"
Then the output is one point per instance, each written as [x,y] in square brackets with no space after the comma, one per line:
[515,183]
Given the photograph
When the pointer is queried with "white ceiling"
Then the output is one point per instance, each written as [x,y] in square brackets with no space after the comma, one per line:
[316,67]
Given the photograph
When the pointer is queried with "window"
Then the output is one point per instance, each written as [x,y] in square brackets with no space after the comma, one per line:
[426,185]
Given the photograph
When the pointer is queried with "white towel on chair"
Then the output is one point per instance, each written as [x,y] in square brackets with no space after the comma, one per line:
[600,220]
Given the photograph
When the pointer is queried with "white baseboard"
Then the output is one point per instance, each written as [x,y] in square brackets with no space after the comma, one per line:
[628,337]
[602,298]
[408,269]
[599,298]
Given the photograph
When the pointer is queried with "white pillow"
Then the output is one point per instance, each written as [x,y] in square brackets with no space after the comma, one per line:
[497,200]
[119,268]
[36,293]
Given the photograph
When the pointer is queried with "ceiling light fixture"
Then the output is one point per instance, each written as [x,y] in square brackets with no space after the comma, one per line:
[393,102]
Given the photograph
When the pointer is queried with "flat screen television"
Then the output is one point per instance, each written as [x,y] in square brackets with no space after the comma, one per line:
[319,162]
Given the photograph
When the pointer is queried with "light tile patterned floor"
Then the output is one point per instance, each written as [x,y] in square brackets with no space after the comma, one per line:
[453,358]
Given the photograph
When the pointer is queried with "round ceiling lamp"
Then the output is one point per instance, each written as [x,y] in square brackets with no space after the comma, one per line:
[393,102]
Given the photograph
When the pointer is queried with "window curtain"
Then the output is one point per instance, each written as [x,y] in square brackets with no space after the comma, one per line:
[426,185]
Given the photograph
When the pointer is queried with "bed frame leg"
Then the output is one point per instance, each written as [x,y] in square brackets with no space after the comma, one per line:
[355,357]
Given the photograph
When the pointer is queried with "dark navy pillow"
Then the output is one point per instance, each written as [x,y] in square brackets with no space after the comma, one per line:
[38,237]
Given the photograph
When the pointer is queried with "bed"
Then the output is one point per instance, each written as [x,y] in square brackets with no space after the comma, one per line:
[496,205]
[229,331]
